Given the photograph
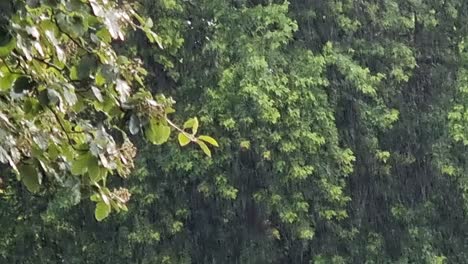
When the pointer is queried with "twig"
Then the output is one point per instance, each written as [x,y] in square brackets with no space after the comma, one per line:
[49,64]
[70,141]
[190,136]
[9,69]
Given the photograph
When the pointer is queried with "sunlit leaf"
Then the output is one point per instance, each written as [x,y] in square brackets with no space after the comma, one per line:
[183,139]
[205,148]
[80,164]
[193,124]
[157,133]
[102,211]
[95,198]
[210,140]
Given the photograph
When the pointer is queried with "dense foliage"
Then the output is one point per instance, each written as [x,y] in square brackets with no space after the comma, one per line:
[67,95]
[342,127]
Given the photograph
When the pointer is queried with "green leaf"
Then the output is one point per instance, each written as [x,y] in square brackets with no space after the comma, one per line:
[183,139]
[149,23]
[30,177]
[193,124]
[7,44]
[87,67]
[205,148]
[209,139]
[123,207]
[123,89]
[69,95]
[97,93]
[104,35]
[102,211]
[7,81]
[96,197]
[80,165]
[157,133]
[189,123]
[54,96]
[94,170]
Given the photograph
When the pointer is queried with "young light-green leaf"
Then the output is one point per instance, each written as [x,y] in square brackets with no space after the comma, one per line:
[183,139]
[157,133]
[95,198]
[79,166]
[193,124]
[209,139]
[189,123]
[204,147]
[102,211]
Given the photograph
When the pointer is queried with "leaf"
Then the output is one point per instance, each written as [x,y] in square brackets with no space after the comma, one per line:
[69,95]
[104,35]
[123,207]
[183,139]
[205,148]
[7,44]
[54,96]
[33,32]
[79,166]
[7,81]
[30,177]
[157,133]
[111,20]
[209,139]
[58,50]
[86,67]
[97,9]
[97,93]
[149,23]
[134,124]
[102,211]
[94,170]
[95,198]
[123,89]
[193,124]
[77,26]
